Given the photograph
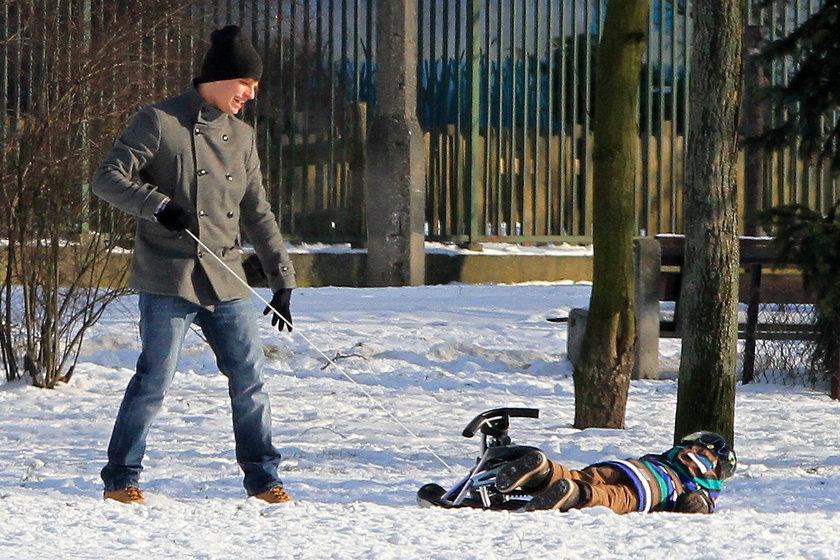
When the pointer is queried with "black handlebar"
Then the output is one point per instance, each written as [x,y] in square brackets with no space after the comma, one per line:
[495,422]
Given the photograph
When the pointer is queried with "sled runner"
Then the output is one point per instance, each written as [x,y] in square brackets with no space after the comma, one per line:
[478,488]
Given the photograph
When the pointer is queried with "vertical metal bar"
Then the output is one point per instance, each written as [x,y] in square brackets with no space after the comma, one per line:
[487,185]
[752,320]
[356,40]
[535,142]
[817,168]
[574,194]
[795,159]
[308,202]
[550,218]
[462,185]
[422,46]
[371,40]
[284,134]
[523,165]
[255,38]
[472,161]
[801,168]
[586,122]
[331,65]
[770,159]
[500,129]
[317,87]
[431,108]
[660,106]
[291,164]
[674,129]
[686,97]
[510,214]
[565,222]
[267,158]
[647,210]
[435,189]
[449,167]
[346,82]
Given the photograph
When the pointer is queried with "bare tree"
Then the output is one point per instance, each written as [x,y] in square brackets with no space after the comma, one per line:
[602,374]
[709,298]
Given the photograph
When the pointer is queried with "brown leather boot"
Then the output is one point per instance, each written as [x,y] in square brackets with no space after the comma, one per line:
[130,495]
[276,495]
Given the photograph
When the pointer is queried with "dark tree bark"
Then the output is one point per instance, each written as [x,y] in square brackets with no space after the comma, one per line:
[602,374]
[706,396]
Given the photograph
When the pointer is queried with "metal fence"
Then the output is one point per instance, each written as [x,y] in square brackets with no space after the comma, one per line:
[782,356]
[505,91]
[522,73]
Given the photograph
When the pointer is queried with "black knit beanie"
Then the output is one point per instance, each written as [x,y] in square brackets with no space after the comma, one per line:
[230,56]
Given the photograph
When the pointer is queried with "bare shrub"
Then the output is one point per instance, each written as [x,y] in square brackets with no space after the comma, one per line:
[72,78]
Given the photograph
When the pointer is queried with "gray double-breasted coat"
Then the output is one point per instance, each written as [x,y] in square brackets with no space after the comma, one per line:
[205,160]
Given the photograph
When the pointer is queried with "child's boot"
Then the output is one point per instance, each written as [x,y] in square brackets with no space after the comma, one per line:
[563,495]
[529,473]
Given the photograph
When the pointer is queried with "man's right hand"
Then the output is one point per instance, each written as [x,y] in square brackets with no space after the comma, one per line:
[174,217]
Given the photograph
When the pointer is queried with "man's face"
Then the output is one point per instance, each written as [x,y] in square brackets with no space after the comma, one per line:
[229,96]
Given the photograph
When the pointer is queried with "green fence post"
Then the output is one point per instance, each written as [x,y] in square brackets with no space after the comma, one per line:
[472,162]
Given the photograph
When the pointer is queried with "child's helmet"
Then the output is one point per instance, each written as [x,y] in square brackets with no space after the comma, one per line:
[716,443]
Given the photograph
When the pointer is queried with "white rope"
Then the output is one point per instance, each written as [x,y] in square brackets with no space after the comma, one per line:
[321,352]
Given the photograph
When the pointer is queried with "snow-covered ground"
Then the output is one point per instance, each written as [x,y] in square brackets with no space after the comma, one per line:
[433,357]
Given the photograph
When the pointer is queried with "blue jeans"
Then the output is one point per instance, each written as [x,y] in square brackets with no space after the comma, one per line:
[231,330]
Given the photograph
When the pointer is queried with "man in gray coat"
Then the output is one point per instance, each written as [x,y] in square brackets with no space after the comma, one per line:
[188,163]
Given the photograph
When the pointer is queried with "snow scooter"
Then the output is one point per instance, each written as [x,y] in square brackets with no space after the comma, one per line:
[478,488]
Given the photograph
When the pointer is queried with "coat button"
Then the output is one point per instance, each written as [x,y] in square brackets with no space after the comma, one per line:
[202,213]
[225,137]
[202,172]
[230,214]
[200,254]
[228,176]
[197,131]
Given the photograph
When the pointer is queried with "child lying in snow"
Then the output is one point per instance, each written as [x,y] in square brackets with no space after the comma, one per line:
[687,478]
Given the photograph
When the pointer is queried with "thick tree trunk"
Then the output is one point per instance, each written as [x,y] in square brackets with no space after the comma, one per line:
[706,396]
[602,374]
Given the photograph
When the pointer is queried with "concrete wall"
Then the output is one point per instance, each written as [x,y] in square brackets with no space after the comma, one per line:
[350,269]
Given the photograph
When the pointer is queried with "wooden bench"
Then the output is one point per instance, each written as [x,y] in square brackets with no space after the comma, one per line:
[760,283]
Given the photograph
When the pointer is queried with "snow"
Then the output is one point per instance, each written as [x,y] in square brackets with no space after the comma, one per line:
[432,357]
[505,249]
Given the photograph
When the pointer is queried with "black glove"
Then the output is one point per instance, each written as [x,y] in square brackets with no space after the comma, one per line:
[694,502]
[174,217]
[280,302]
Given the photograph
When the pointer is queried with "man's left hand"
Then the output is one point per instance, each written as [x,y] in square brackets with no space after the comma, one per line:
[280,302]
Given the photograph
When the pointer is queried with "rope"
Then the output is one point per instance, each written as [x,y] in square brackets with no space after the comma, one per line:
[324,355]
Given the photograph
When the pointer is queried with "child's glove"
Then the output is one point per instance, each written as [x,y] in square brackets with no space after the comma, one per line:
[694,502]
